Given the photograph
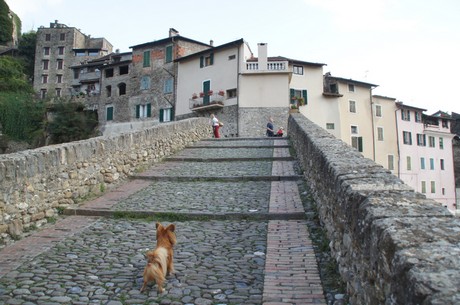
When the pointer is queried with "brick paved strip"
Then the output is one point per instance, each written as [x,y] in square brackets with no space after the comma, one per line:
[285,198]
[40,241]
[291,270]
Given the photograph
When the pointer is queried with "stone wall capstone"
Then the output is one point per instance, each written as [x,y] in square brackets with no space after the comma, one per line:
[35,184]
[392,245]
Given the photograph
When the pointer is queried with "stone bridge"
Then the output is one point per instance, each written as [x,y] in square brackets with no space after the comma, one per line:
[392,245]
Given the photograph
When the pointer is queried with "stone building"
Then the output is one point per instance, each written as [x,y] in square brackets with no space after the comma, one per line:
[58,48]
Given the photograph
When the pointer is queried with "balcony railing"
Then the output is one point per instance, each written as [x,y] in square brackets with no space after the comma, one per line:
[208,102]
[273,66]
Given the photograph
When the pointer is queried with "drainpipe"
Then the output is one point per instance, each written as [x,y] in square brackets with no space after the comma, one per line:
[238,93]
[397,142]
[373,124]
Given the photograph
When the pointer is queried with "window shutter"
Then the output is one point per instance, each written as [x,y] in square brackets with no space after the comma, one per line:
[291,93]
[161,115]
[138,111]
[211,59]
[149,110]
[172,114]
[109,113]
[169,53]
[305,96]
[360,144]
[201,61]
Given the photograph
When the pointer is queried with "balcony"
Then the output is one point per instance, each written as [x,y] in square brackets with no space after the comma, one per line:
[90,76]
[206,102]
[271,67]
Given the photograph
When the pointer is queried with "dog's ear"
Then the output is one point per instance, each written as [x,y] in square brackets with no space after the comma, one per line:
[157,225]
[171,227]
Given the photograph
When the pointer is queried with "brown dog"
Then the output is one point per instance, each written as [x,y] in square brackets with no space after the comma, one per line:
[160,261]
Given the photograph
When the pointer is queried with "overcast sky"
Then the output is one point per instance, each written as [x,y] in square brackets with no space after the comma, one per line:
[409,48]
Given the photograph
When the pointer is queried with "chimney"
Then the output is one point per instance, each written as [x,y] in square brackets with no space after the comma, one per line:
[173,32]
[211,43]
[262,56]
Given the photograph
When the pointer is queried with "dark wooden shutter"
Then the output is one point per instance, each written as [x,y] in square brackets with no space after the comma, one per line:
[161,115]
[201,61]
[109,113]
[360,144]
[138,111]
[305,95]
[169,54]
[172,115]
[211,59]
[149,110]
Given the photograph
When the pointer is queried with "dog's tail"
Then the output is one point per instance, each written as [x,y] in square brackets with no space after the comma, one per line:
[159,258]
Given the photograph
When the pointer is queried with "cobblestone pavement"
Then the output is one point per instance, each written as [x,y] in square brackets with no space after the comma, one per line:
[233,260]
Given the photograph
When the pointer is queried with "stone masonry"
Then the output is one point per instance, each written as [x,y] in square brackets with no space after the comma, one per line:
[393,245]
[36,184]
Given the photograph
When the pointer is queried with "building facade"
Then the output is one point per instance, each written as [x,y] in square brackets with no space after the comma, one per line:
[58,48]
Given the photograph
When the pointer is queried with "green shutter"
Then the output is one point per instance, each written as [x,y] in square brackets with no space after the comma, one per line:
[169,54]
[172,114]
[146,59]
[149,110]
[109,113]
[304,95]
[201,61]
[161,115]
[291,93]
[138,111]
[360,144]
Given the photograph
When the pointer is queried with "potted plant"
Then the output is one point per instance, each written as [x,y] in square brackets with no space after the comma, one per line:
[201,94]
[194,96]
[210,92]
[221,92]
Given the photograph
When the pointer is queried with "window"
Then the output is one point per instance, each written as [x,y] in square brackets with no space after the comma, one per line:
[59,79]
[108,91]
[379,133]
[352,106]
[143,111]
[109,113]
[357,142]
[421,139]
[109,73]
[423,187]
[298,70]
[76,73]
[60,64]
[407,138]
[443,190]
[333,88]
[124,70]
[232,57]
[121,89]
[61,50]
[422,163]
[93,53]
[44,79]
[46,64]
[231,93]
[441,164]
[441,143]
[431,141]
[391,162]
[433,187]
[405,115]
[207,60]
[80,53]
[62,36]
[146,59]
[445,124]
[145,82]
[168,85]
[418,117]
[297,96]
[43,93]
[46,51]
[47,37]
[409,163]
[351,87]
[330,126]
[169,54]
[166,115]
[378,111]
[431,163]
[354,130]
[58,92]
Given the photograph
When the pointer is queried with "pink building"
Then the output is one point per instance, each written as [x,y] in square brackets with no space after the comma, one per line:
[425,153]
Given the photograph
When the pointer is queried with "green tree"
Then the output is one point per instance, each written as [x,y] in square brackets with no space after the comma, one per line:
[6,23]
[70,122]
[12,79]
[26,50]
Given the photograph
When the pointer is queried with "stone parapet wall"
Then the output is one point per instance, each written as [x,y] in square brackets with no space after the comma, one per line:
[392,245]
[35,184]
